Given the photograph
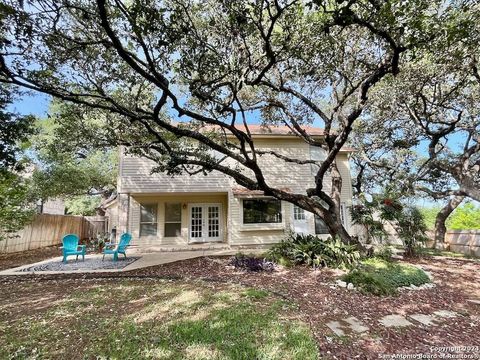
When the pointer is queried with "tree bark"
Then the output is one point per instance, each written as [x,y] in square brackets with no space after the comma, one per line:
[442,216]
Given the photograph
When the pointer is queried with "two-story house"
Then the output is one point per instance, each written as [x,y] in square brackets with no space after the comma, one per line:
[161,210]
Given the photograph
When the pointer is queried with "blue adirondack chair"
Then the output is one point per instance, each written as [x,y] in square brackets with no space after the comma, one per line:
[71,247]
[120,248]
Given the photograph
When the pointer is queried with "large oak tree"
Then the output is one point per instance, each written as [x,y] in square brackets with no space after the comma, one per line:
[216,65]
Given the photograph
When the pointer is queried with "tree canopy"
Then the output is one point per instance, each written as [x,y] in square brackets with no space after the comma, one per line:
[174,78]
[15,195]
[14,129]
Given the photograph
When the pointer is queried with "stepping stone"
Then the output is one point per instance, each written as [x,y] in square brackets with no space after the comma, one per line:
[445,313]
[424,319]
[394,321]
[356,325]
[336,327]
[473,301]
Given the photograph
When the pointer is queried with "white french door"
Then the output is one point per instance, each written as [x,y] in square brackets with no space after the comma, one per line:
[205,223]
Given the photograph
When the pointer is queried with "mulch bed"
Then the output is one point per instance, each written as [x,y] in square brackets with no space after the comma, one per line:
[11,260]
[318,303]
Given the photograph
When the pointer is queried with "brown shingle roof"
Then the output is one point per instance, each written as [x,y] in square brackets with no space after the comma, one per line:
[279,130]
[246,192]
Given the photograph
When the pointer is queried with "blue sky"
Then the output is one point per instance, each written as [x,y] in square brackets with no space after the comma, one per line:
[35,104]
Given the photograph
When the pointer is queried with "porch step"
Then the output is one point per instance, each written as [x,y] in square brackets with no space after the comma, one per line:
[193,247]
[202,247]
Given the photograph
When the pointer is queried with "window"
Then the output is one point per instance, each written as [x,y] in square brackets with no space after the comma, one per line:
[298,213]
[260,211]
[320,226]
[317,154]
[343,214]
[173,219]
[148,220]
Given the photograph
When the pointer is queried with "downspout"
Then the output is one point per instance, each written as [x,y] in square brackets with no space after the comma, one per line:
[128,213]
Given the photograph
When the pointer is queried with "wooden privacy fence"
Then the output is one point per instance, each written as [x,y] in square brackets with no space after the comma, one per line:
[463,241]
[47,230]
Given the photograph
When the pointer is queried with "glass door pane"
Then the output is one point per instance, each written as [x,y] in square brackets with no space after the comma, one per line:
[213,221]
[196,219]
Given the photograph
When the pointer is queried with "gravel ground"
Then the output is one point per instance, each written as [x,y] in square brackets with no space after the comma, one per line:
[88,264]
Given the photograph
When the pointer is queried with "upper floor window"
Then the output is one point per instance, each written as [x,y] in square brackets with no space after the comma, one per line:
[148,219]
[173,219]
[260,211]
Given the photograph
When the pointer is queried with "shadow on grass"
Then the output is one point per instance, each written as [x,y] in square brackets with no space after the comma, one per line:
[168,321]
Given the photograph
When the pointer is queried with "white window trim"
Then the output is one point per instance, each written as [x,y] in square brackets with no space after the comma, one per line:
[262,226]
[220,238]
[172,222]
[298,210]
[344,215]
[149,223]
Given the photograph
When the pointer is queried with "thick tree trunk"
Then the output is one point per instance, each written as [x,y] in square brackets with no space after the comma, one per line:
[442,216]
[336,228]
[332,216]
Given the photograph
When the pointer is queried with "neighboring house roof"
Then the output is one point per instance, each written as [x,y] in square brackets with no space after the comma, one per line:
[112,200]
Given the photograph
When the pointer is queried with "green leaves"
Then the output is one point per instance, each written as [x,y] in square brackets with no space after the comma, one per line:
[17,206]
[14,130]
[70,160]
[465,217]
[313,251]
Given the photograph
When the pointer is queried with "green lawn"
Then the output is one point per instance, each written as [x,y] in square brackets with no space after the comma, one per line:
[151,320]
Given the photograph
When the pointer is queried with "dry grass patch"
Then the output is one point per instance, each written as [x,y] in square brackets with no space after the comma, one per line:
[126,319]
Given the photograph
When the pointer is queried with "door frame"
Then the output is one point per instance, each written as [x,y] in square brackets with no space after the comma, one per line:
[303,224]
[205,238]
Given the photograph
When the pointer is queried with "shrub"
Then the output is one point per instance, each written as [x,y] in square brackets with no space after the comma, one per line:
[369,282]
[380,277]
[411,229]
[407,220]
[251,263]
[312,251]
[384,253]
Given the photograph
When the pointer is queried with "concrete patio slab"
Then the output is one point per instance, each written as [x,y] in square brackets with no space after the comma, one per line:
[145,260]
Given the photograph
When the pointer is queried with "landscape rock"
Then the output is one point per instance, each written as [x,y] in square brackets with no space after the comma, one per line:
[394,321]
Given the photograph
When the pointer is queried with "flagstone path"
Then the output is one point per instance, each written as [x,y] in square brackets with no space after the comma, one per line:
[352,325]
